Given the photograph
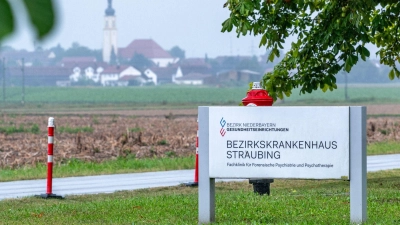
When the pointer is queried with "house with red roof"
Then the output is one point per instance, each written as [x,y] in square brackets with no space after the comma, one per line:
[86,68]
[162,75]
[194,65]
[120,75]
[150,49]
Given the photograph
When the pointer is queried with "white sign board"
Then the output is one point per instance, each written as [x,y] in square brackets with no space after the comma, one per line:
[279,142]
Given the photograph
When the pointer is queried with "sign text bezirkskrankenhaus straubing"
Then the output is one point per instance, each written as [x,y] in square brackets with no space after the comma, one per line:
[252,149]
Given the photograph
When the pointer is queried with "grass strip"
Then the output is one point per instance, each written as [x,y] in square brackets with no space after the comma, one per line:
[382,148]
[75,167]
[291,202]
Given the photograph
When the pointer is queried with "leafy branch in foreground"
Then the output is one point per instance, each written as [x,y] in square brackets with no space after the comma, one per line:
[331,36]
[39,12]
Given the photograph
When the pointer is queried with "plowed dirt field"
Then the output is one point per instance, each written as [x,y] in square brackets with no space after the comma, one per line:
[107,135]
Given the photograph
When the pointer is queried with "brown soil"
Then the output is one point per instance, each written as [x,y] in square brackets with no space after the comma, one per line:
[155,133]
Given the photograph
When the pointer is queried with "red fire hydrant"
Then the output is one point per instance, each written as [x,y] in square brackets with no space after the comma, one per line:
[259,97]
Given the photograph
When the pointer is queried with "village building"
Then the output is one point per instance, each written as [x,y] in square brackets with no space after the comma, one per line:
[83,68]
[37,76]
[123,75]
[194,79]
[149,49]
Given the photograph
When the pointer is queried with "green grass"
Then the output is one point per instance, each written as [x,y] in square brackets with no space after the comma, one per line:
[20,129]
[166,95]
[75,167]
[291,202]
[39,100]
[357,95]
[142,95]
[382,148]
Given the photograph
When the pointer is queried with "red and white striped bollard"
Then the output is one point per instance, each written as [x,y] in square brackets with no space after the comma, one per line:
[50,146]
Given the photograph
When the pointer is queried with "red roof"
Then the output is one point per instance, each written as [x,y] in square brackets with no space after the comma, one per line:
[81,62]
[39,71]
[194,65]
[194,62]
[164,72]
[114,69]
[147,47]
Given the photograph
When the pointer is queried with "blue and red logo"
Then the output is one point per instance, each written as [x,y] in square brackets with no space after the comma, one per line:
[222,123]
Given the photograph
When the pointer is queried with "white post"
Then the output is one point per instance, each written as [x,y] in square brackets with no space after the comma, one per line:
[358,164]
[206,184]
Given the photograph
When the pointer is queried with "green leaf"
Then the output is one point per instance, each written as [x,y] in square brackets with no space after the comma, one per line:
[347,65]
[225,25]
[271,56]
[295,52]
[244,30]
[365,51]
[363,57]
[41,15]
[263,40]
[354,59]
[6,19]
[280,95]
[288,93]
[325,88]
[391,74]
[397,72]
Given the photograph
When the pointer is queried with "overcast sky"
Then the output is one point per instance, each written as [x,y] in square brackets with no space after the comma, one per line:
[194,26]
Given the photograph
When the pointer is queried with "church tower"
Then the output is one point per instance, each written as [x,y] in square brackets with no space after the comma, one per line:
[110,34]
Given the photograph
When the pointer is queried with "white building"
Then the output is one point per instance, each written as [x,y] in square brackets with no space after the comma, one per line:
[192,79]
[83,68]
[111,76]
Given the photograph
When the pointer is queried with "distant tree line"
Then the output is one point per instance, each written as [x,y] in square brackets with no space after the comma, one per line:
[369,71]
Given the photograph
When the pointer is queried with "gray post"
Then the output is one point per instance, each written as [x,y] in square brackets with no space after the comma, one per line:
[4,79]
[206,184]
[23,81]
[358,164]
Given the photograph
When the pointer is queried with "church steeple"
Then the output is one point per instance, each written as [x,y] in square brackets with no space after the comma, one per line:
[109,34]
[110,11]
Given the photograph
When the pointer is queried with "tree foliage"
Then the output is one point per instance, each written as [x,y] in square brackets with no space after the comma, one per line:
[77,50]
[330,37]
[140,62]
[177,52]
[40,14]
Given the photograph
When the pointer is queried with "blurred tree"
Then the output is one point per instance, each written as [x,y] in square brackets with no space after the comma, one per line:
[58,51]
[113,57]
[235,63]
[177,52]
[249,64]
[140,62]
[331,36]
[77,50]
